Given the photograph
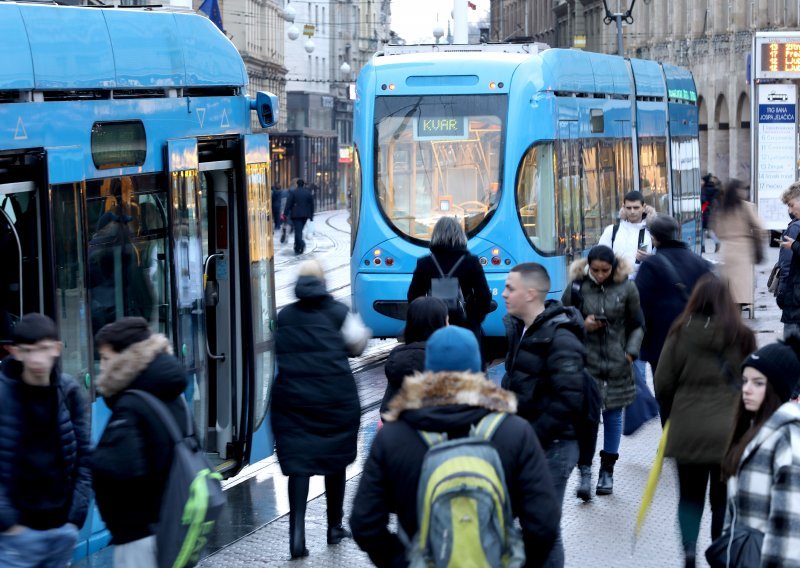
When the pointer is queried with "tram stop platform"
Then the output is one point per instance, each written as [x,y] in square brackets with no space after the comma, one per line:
[255,530]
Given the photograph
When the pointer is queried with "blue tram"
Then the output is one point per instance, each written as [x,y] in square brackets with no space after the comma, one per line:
[530,148]
[130,185]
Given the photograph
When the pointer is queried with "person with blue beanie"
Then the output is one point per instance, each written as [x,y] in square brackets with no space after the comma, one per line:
[450,397]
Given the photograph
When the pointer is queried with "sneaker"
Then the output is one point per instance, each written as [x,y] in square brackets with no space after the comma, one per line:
[716,247]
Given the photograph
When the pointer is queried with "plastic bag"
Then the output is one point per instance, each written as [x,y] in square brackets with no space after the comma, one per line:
[356,334]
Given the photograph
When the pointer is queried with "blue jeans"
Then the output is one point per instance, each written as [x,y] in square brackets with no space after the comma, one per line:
[612,430]
[38,549]
[562,456]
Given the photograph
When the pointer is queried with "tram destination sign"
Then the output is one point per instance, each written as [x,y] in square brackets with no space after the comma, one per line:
[440,128]
[777,55]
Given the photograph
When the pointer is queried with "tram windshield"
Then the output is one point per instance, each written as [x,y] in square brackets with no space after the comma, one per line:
[438,155]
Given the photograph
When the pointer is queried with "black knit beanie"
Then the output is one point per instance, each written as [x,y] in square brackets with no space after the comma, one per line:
[33,328]
[779,364]
[123,333]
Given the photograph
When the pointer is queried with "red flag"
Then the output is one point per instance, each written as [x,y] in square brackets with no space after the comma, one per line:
[471,5]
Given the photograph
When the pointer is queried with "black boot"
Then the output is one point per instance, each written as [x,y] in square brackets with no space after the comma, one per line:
[585,487]
[689,555]
[334,496]
[605,483]
[298,496]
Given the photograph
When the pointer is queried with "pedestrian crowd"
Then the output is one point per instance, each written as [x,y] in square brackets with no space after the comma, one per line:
[475,472]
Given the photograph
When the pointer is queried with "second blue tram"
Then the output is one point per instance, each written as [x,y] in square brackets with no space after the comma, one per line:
[530,148]
[131,185]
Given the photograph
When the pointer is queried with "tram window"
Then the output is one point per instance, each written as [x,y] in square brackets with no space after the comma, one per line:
[536,197]
[261,246]
[118,144]
[438,145]
[128,263]
[70,279]
[355,199]
[685,175]
[653,172]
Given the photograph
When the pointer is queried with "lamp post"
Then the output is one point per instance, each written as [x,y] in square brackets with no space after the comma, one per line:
[438,32]
[619,16]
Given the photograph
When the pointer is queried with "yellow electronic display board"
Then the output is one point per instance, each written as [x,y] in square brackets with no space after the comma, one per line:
[776,55]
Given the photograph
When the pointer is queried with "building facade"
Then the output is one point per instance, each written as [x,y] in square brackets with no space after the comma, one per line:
[712,38]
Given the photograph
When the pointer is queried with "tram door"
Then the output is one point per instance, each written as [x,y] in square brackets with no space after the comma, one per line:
[188,307]
[20,256]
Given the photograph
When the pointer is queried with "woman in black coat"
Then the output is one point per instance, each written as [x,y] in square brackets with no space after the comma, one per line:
[449,246]
[424,316]
[315,406]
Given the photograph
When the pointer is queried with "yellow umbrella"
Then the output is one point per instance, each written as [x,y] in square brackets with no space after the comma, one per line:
[652,481]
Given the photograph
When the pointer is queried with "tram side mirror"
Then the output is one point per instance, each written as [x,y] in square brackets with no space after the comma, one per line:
[597,120]
[266,106]
[211,294]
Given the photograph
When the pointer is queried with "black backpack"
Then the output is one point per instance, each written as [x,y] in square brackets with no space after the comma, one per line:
[193,498]
[448,289]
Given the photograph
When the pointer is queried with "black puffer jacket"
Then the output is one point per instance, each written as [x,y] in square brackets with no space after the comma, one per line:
[73,430]
[545,370]
[449,402]
[477,296]
[315,408]
[299,204]
[131,462]
[404,360]
[608,347]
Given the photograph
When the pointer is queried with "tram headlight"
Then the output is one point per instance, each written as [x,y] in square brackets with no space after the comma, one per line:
[492,85]
[483,260]
[496,260]
[389,261]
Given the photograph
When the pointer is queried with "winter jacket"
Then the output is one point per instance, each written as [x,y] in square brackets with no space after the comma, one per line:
[470,276]
[449,402]
[404,360]
[315,407]
[131,463]
[299,204]
[74,433]
[698,379]
[626,242]
[607,348]
[545,370]
[661,299]
[765,493]
[788,297]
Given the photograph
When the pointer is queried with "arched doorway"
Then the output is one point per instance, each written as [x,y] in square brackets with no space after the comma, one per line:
[743,138]
[722,140]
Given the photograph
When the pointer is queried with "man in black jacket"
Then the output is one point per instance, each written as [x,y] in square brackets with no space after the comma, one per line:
[665,282]
[788,296]
[45,482]
[450,397]
[299,208]
[544,367]
[131,462]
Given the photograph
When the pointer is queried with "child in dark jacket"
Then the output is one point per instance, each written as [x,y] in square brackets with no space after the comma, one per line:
[425,315]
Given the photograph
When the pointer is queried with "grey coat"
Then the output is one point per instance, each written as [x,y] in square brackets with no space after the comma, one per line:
[606,349]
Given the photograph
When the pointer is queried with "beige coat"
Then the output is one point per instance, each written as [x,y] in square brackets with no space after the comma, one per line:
[738,254]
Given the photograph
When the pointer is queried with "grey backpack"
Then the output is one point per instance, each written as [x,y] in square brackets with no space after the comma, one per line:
[193,499]
[448,289]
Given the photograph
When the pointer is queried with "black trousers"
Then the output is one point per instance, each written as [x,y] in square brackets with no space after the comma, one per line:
[693,480]
[299,243]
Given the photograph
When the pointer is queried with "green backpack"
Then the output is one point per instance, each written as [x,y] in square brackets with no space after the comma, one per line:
[463,508]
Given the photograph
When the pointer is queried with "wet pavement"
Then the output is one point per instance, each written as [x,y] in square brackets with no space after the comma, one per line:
[255,530]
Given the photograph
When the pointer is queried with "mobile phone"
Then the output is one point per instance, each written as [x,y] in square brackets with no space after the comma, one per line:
[643,247]
[600,318]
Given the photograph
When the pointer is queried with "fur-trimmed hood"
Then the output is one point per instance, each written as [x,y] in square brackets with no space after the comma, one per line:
[134,365]
[446,388]
[579,269]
